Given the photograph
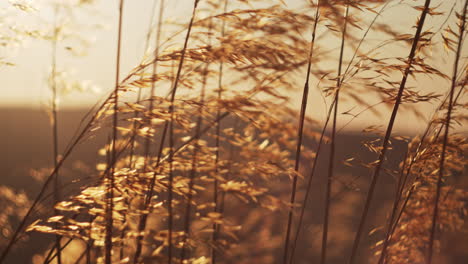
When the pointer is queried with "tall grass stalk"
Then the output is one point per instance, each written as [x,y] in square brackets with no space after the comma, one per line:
[222,203]
[398,195]
[388,133]
[171,132]
[143,219]
[112,165]
[193,169]
[55,125]
[331,158]
[217,145]
[446,133]
[140,90]
[309,184]
[51,255]
[90,242]
[300,131]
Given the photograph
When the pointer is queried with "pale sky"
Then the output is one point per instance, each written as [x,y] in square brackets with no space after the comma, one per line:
[25,84]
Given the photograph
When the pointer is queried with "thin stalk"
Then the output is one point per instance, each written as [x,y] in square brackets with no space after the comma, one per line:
[361,41]
[49,255]
[389,131]
[153,84]
[135,116]
[171,133]
[300,131]
[222,202]
[110,190]
[80,258]
[171,183]
[323,255]
[55,128]
[52,254]
[218,132]
[193,169]
[55,254]
[445,139]
[309,184]
[123,233]
[140,90]
[398,195]
[89,243]
[143,219]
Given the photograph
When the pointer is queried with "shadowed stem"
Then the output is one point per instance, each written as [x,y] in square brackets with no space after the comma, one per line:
[300,130]
[222,203]
[143,219]
[309,184]
[134,125]
[171,133]
[446,134]
[54,254]
[90,242]
[218,132]
[193,170]
[140,90]
[110,187]
[388,133]
[55,127]
[399,194]
[331,159]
